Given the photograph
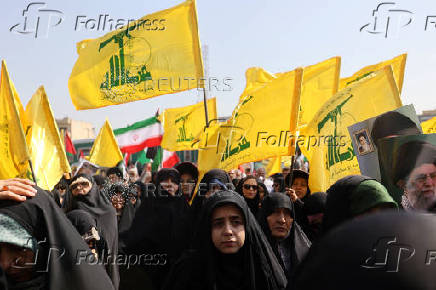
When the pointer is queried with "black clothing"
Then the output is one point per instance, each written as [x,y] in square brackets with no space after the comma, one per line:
[382,251]
[254,266]
[296,244]
[100,207]
[60,247]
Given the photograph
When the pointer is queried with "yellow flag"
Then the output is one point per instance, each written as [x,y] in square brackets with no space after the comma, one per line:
[261,126]
[320,83]
[274,166]
[105,151]
[13,149]
[398,65]
[327,143]
[155,55]
[46,149]
[182,126]
[429,126]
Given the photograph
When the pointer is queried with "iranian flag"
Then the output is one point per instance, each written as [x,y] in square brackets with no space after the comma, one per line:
[69,147]
[142,134]
[169,159]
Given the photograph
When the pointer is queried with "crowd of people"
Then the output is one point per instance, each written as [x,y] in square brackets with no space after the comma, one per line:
[137,229]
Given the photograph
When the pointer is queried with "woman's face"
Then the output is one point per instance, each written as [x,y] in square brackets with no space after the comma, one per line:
[18,263]
[300,187]
[228,229]
[261,192]
[170,186]
[81,186]
[117,201]
[249,188]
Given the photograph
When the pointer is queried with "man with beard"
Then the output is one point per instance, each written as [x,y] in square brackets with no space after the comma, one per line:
[415,174]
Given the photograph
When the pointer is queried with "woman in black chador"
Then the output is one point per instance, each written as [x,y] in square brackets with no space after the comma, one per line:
[87,196]
[229,251]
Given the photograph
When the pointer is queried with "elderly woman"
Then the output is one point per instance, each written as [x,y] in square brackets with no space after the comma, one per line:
[287,239]
[229,251]
[87,196]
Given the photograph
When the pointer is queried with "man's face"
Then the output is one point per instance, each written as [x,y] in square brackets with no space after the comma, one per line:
[188,183]
[81,186]
[260,173]
[133,175]
[421,186]
[113,178]
[362,140]
[18,263]
[280,223]
[228,229]
[232,174]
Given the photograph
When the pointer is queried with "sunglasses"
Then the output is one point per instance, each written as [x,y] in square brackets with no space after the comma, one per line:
[249,186]
[82,184]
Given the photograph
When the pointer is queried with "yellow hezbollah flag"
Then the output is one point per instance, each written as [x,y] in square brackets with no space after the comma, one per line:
[13,149]
[182,126]
[155,55]
[398,65]
[45,146]
[105,151]
[261,126]
[327,143]
[320,83]
[429,126]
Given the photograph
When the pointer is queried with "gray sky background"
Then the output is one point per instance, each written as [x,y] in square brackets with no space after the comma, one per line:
[277,35]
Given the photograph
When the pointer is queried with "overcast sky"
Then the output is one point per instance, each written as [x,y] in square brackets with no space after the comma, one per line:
[277,35]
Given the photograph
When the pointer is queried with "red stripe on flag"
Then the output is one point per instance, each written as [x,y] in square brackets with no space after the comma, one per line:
[170,162]
[152,142]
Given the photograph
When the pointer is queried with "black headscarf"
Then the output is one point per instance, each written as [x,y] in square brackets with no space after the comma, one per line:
[214,176]
[383,251]
[344,200]
[296,243]
[81,220]
[128,212]
[66,204]
[3,284]
[253,203]
[393,123]
[314,204]
[204,267]
[161,227]
[100,207]
[45,221]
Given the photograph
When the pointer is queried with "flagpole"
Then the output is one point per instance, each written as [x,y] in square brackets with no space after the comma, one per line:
[205,107]
[33,173]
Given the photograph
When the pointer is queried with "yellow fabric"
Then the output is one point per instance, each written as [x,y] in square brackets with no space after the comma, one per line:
[46,148]
[398,65]
[261,126]
[14,155]
[274,166]
[105,151]
[145,59]
[429,126]
[320,83]
[182,126]
[366,98]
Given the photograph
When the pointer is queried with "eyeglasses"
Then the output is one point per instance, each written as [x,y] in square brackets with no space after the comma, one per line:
[421,178]
[249,186]
[82,184]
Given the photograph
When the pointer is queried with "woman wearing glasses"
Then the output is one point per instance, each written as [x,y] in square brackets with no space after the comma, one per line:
[248,187]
